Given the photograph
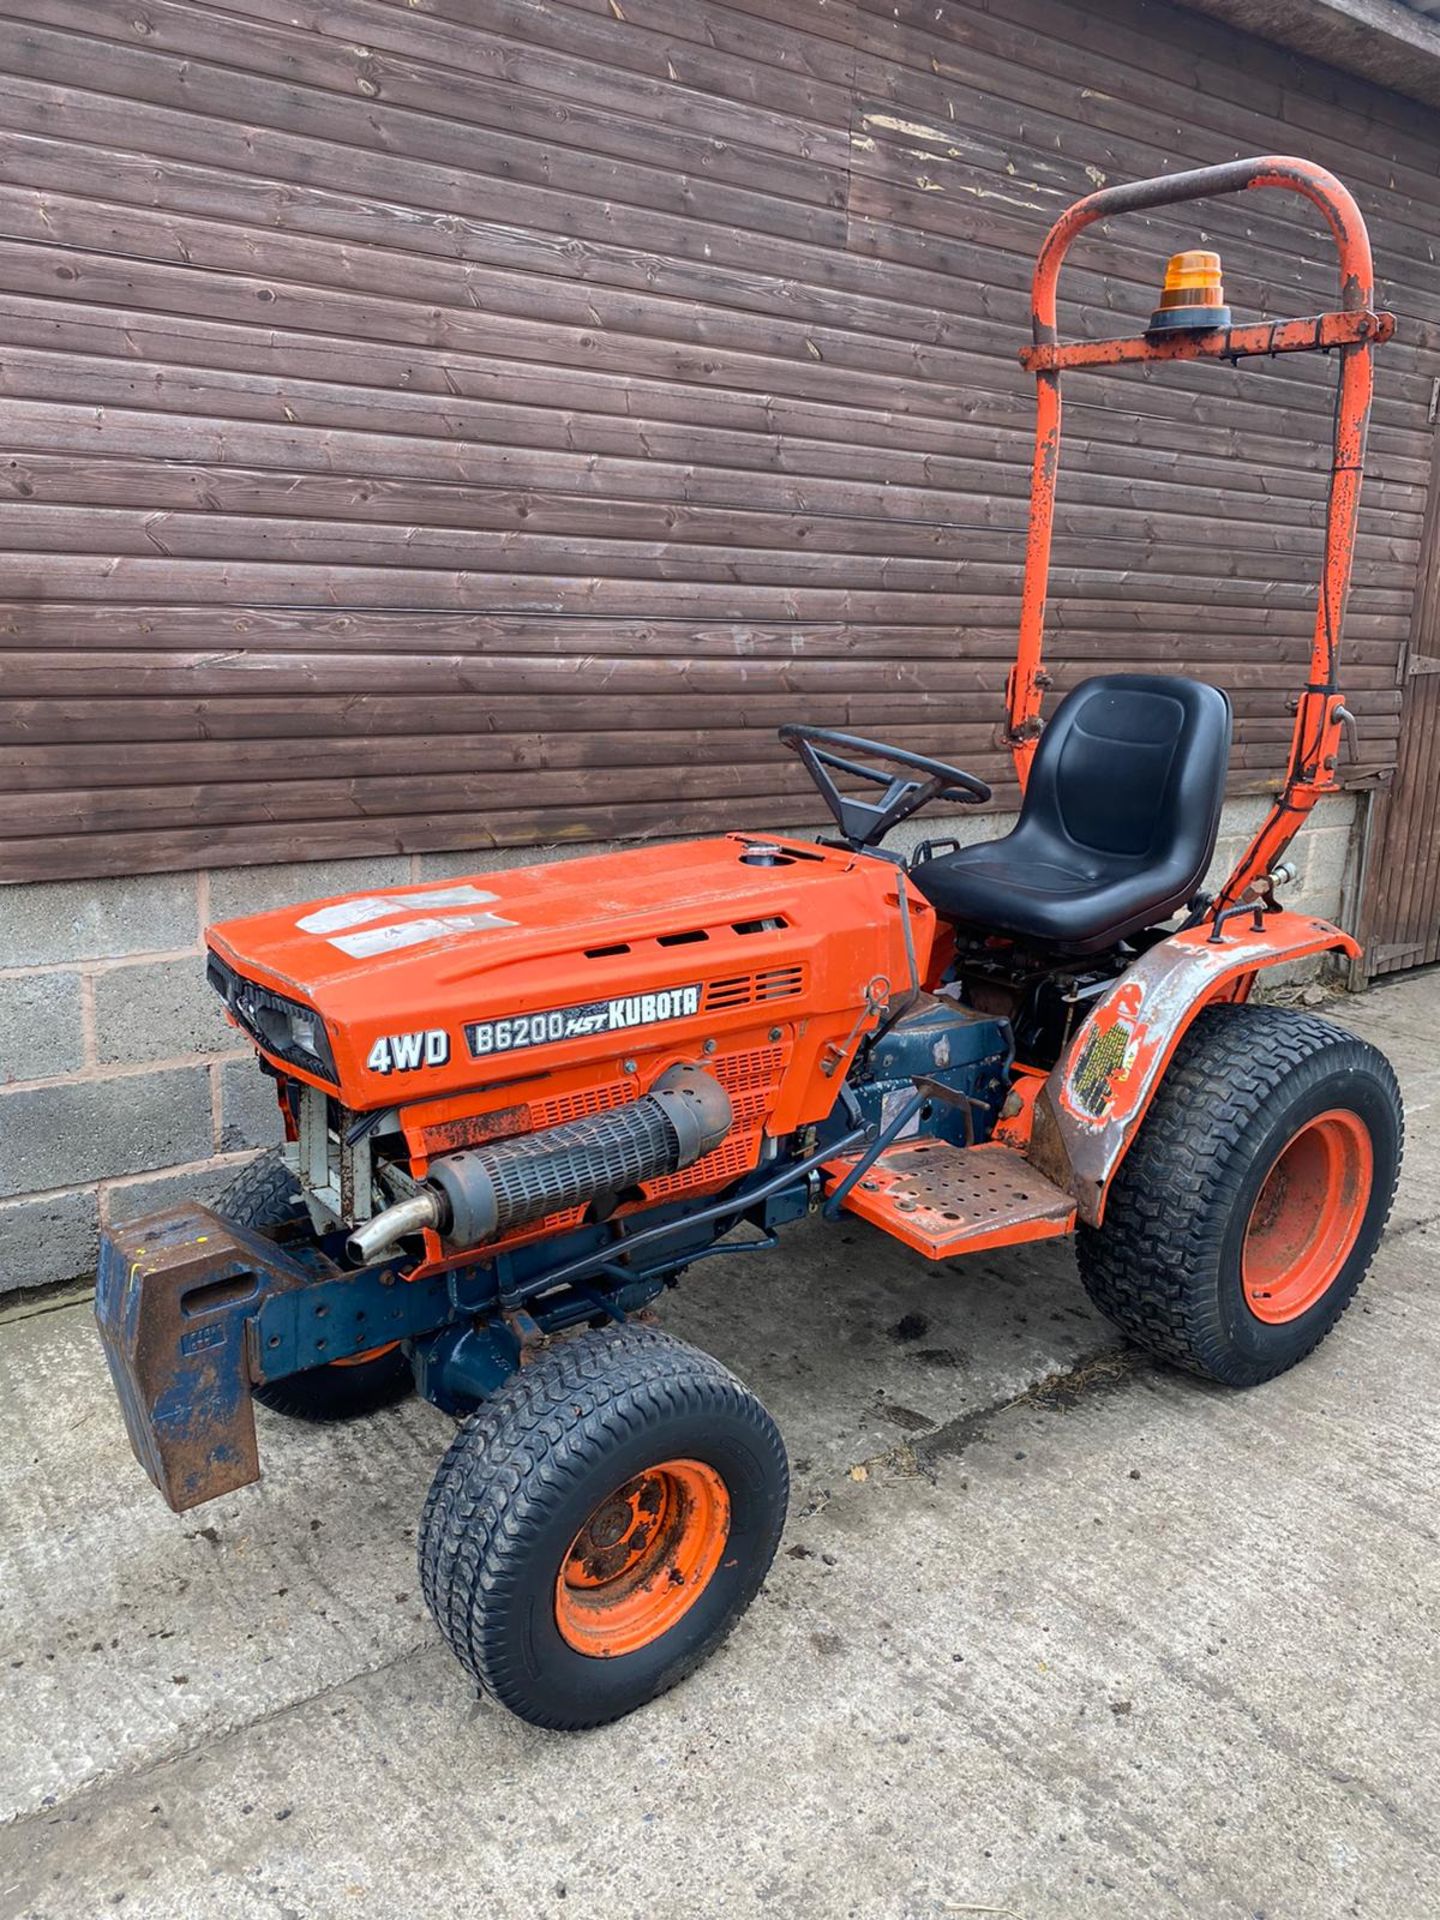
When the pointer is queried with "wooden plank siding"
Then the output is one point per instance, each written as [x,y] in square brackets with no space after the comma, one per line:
[1400,901]
[442,423]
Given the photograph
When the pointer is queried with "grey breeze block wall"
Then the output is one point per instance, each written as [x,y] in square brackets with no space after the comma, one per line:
[122,1088]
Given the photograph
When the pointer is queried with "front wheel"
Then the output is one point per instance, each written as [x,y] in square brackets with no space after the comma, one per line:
[600,1524]
[1249,1208]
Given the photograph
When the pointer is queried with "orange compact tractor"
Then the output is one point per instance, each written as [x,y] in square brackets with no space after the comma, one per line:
[517,1107]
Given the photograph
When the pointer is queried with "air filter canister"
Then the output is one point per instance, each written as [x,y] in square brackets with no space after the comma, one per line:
[492,1190]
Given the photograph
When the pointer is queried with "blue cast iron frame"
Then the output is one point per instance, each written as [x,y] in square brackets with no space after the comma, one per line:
[195,1311]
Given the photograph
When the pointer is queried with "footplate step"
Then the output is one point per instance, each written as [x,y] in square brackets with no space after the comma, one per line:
[945,1200]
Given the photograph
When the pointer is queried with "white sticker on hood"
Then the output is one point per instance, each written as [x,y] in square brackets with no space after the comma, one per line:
[345,913]
[358,913]
[413,933]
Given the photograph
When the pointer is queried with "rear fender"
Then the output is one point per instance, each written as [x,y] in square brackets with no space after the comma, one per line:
[1091,1106]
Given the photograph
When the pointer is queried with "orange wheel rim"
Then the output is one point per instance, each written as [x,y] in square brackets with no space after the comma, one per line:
[363,1359]
[1307,1216]
[642,1559]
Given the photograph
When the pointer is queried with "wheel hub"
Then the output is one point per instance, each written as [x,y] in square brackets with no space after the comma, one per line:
[1307,1215]
[642,1559]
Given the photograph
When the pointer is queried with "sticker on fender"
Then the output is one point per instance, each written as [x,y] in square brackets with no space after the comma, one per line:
[626,1010]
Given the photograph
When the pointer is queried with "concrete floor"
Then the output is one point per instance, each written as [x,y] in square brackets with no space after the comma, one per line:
[1107,1644]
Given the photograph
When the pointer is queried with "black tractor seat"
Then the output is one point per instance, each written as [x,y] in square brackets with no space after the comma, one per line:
[1118,822]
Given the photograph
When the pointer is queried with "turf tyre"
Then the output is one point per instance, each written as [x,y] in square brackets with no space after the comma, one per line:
[266,1195]
[1166,1265]
[526,1470]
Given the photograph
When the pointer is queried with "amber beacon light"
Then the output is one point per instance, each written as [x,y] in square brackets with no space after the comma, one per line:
[1193,295]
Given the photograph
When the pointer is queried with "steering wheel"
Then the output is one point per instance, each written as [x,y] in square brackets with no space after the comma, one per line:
[864,823]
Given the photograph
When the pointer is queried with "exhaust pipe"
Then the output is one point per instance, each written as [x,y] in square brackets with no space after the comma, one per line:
[482,1192]
[421,1210]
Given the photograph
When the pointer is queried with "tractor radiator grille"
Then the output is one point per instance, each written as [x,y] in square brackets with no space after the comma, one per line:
[756,1070]
[738,1154]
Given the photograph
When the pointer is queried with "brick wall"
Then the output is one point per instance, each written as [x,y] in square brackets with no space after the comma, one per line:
[122,1089]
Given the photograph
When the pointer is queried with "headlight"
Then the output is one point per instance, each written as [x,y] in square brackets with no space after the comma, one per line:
[287,1028]
[306,1032]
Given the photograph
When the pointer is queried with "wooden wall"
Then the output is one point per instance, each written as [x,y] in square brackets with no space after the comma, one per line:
[459,421]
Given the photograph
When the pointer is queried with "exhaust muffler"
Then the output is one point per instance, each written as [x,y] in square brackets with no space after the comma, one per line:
[482,1192]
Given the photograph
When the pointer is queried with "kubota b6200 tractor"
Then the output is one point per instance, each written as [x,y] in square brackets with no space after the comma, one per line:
[517,1107]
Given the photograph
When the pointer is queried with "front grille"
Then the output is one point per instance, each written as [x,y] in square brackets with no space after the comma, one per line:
[265,1016]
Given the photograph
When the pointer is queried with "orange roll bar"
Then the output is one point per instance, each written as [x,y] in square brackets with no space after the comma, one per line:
[1352,331]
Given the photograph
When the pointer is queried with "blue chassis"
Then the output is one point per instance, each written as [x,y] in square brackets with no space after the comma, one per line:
[194,1311]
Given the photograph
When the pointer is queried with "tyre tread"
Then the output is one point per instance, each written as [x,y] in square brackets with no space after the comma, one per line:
[262,1195]
[511,1460]
[1165,1214]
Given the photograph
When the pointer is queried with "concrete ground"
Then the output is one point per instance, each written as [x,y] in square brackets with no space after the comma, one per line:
[1053,1632]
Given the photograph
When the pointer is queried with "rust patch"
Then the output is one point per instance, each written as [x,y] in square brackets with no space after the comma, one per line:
[448,1136]
[173,1296]
[1319,333]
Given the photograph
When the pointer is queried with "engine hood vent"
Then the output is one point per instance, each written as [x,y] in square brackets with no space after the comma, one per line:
[754,989]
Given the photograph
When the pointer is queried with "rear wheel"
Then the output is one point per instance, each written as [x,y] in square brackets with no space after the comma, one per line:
[1249,1208]
[266,1195]
[598,1527]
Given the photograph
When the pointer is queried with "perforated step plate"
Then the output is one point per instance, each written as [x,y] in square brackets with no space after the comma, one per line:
[945,1200]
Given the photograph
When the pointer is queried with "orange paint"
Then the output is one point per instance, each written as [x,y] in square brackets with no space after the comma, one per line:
[370,1353]
[1307,1216]
[787,968]
[1015,1129]
[944,1201]
[642,1559]
[1352,332]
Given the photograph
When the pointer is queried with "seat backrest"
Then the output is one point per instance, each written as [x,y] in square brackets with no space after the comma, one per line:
[1133,766]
